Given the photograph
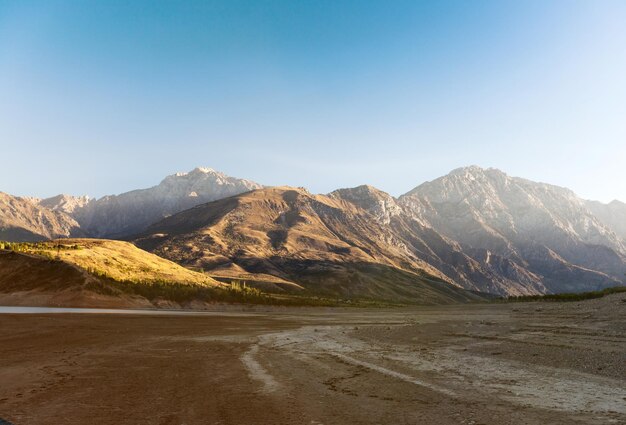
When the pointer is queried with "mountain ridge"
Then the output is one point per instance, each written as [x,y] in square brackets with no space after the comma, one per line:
[476,228]
[24,220]
[119,216]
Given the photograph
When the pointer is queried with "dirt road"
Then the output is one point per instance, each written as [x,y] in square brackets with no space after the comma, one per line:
[481,364]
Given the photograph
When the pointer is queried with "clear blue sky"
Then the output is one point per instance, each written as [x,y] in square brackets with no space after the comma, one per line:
[100,97]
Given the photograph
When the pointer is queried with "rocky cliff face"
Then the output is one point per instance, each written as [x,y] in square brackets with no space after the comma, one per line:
[612,215]
[23,219]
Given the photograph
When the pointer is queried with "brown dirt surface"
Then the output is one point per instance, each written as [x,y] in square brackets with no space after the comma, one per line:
[531,363]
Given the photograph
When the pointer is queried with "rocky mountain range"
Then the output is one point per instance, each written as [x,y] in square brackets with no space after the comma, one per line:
[511,224]
[474,228]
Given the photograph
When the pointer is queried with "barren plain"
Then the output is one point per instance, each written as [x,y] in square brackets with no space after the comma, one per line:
[515,363]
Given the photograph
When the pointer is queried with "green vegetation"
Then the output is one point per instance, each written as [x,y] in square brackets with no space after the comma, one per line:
[37,246]
[177,292]
[581,296]
[236,292]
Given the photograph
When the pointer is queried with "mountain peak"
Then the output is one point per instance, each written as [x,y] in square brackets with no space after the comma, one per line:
[363,191]
[195,171]
[475,171]
[204,170]
[131,212]
[378,203]
[66,203]
[467,169]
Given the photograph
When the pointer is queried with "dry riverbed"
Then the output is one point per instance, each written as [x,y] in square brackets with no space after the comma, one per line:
[532,363]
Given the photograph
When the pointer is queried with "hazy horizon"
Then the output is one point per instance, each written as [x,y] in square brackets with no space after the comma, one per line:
[100,98]
[276,185]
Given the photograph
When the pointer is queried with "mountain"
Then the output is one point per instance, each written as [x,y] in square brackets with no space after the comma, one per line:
[439,251]
[612,215]
[22,219]
[475,228]
[325,244]
[520,225]
[114,216]
[118,216]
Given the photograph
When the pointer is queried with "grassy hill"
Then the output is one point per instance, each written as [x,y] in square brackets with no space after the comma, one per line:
[120,261]
[94,272]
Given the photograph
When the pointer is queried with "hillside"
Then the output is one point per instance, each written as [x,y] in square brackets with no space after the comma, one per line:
[120,261]
[325,244]
[32,280]
[86,272]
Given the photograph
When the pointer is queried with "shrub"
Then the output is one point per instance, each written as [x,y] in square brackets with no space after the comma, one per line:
[580,296]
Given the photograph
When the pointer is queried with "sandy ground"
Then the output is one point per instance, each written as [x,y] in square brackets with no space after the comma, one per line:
[481,364]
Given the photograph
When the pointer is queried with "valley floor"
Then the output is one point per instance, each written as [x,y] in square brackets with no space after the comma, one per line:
[531,363]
